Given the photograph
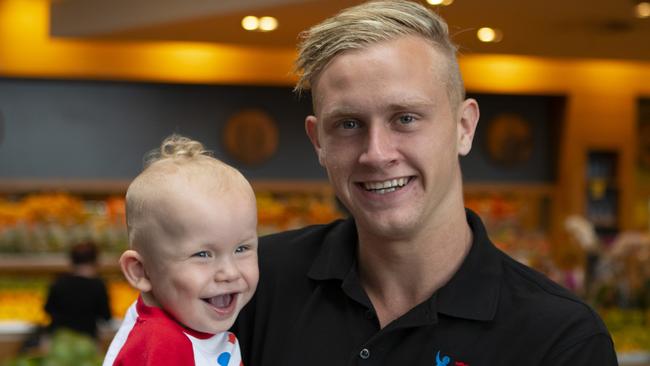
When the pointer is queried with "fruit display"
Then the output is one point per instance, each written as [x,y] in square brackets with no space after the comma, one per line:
[514,224]
[22,298]
[52,222]
[278,212]
[64,348]
[630,329]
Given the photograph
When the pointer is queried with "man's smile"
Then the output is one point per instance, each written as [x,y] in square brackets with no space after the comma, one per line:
[387,186]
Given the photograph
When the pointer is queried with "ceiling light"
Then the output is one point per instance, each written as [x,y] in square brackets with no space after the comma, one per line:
[487,34]
[250,23]
[642,9]
[268,24]
[440,2]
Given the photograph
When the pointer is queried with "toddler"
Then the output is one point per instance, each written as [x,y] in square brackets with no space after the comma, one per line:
[192,226]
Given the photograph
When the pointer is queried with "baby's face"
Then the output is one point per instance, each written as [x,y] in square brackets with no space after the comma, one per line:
[203,262]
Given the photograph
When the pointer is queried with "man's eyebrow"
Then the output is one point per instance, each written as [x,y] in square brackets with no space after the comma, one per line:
[396,106]
[341,111]
[406,104]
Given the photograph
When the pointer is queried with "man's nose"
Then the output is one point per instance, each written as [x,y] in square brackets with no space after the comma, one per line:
[379,147]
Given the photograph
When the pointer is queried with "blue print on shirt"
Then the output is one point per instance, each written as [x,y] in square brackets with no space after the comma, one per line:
[223,359]
[444,362]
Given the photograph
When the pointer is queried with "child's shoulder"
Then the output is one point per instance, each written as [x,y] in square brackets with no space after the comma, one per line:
[155,340]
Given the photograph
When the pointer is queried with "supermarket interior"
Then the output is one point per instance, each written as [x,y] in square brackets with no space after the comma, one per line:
[559,171]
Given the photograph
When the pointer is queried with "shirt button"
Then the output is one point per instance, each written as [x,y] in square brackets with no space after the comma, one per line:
[364,354]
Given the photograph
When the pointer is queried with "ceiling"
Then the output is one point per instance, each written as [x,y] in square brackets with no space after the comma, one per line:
[603,29]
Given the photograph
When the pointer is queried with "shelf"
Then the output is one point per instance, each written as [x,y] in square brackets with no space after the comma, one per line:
[527,189]
[49,263]
[119,186]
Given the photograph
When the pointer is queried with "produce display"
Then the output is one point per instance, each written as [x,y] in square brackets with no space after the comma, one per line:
[22,298]
[629,328]
[51,222]
[64,348]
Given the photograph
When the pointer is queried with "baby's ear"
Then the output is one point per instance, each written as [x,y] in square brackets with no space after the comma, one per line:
[133,269]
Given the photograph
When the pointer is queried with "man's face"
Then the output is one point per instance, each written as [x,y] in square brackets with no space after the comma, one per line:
[388,137]
[203,262]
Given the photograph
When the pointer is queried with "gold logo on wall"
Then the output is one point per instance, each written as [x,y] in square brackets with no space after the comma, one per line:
[509,139]
[251,136]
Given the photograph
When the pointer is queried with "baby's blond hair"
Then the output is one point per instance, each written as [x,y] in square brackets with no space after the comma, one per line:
[178,157]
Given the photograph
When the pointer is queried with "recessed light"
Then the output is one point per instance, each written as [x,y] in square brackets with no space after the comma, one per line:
[487,34]
[268,24]
[440,2]
[642,9]
[250,23]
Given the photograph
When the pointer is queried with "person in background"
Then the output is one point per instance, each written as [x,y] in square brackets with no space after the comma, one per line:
[411,278]
[192,226]
[78,300]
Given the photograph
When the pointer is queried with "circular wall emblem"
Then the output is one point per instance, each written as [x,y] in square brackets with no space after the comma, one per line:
[251,136]
[509,139]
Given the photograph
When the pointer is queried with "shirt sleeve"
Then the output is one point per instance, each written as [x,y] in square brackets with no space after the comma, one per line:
[595,350]
[155,346]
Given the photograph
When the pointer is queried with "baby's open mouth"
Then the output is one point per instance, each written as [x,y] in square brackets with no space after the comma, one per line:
[220,301]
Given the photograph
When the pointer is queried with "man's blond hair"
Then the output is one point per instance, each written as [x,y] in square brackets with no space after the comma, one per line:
[372,22]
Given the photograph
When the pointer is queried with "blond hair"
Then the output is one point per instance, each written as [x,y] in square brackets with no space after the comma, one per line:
[372,22]
[179,157]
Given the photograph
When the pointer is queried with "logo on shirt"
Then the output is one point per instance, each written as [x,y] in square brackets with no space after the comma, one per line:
[442,360]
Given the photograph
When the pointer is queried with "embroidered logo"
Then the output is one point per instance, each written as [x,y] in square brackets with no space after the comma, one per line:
[446,361]
[442,362]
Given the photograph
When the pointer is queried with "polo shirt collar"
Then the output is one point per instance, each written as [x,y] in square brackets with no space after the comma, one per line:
[338,254]
[472,293]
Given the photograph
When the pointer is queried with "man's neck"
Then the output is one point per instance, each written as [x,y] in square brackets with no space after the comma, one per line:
[400,274]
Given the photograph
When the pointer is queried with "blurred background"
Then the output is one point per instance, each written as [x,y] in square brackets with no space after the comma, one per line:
[560,169]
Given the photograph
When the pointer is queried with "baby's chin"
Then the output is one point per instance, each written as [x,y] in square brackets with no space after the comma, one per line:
[214,328]
[212,324]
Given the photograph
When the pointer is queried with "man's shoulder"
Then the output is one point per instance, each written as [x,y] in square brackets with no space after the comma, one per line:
[294,246]
[545,302]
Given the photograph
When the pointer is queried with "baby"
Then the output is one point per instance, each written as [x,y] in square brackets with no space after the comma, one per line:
[192,226]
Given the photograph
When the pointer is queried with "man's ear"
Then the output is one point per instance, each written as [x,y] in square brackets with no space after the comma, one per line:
[133,269]
[468,115]
[311,127]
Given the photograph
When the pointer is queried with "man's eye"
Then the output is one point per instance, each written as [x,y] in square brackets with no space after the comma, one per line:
[406,119]
[349,124]
[202,254]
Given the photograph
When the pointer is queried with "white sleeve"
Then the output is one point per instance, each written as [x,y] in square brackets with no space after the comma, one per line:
[122,334]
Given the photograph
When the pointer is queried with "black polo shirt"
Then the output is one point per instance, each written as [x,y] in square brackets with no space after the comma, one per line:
[310,309]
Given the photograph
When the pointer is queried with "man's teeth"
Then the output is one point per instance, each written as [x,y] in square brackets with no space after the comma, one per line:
[386,186]
[221,301]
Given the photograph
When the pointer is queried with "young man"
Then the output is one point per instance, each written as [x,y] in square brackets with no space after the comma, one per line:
[411,278]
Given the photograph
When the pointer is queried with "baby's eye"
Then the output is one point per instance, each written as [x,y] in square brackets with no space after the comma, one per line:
[242,249]
[202,254]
